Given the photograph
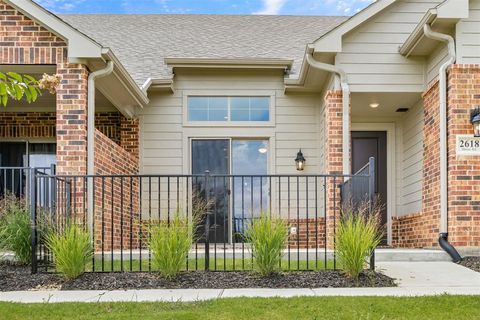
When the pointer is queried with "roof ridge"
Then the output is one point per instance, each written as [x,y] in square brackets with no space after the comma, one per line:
[203,14]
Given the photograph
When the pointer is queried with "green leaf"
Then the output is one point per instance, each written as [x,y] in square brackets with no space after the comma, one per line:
[28,95]
[4,100]
[30,78]
[3,76]
[18,91]
[15,76]
[33,93]
[3,88]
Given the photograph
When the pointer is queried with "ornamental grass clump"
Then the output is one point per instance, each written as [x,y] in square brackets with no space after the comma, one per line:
[170,242]
[358,234]
[72,249]
[15,228]
[267,236]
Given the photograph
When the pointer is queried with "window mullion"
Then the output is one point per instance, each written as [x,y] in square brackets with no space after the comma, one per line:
[229,109]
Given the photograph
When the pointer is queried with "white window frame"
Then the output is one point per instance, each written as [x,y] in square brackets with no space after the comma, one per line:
[228,94]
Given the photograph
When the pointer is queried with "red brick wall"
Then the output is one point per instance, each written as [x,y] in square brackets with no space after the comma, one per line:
[416,230]
[333,158]
[42,124]
[464,172]
[117,211]
[111,158]
[72,119]
[23,41]
[129,136]
[27,124]
[109,124]
[421,230]
[310,233]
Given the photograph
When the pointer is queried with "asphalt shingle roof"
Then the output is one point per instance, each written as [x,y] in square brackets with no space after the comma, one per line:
[141,42]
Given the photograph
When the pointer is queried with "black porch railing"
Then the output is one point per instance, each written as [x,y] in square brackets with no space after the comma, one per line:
[119,209]
[14,180]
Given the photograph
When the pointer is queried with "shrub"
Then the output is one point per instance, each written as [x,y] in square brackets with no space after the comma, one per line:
[267,236]
[15,228]
[71,248]
[358,234]
[170,243]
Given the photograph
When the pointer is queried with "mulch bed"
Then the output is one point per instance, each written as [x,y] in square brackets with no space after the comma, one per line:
[472,263]
[16,278]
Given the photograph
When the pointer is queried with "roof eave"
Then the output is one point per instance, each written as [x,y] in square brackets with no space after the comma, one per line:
[447,13]
[229,63]
[126,79]
[416,36]
[158,85]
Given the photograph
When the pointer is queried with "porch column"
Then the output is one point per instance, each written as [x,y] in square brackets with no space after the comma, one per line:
[71,129]
[333,159]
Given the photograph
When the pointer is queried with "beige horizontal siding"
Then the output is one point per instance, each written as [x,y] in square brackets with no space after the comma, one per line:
[468,36]
[370,52]
[411,169]
[296,125]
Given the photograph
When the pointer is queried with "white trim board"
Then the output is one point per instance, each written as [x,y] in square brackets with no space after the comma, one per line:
[391,160]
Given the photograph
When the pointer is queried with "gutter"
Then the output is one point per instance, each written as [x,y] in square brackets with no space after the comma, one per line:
[91,135]
[158,84]
[346,106]
[122,74]
[443,237]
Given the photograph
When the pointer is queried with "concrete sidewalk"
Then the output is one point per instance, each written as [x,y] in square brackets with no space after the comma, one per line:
[413,278]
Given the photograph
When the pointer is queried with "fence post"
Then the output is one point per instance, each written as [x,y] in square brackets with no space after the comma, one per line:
[33,214]
[53,192]
[371,198]
[207,222]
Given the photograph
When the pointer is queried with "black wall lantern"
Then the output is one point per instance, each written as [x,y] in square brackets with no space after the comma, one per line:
[300,161]
[475,119]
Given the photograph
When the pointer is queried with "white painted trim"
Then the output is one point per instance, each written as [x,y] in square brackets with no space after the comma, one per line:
[391,167]
[254,63]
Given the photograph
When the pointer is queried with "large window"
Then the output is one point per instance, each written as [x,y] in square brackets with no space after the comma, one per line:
[203,108]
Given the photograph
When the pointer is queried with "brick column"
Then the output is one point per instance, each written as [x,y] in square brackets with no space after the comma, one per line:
[423,229]
[333,158]
[463,171]
[72,119]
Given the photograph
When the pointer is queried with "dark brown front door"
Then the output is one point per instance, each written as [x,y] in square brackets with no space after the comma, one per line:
[366,144]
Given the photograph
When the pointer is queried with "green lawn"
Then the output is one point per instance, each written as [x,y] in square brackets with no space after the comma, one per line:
[221,264]
[440,307]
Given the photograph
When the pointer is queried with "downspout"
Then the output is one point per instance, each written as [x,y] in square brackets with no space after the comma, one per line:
[442,74]
[346,106]
[91,137]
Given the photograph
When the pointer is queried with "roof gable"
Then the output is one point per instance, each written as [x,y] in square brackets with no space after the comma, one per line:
[332,40]
[79,44]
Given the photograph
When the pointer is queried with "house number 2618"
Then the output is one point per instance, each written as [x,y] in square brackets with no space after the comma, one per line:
[469,143]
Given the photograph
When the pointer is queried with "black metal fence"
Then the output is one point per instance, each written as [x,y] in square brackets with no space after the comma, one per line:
[14,180]
[119,211]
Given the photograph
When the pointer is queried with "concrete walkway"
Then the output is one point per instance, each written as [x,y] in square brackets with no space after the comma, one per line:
[413,278]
